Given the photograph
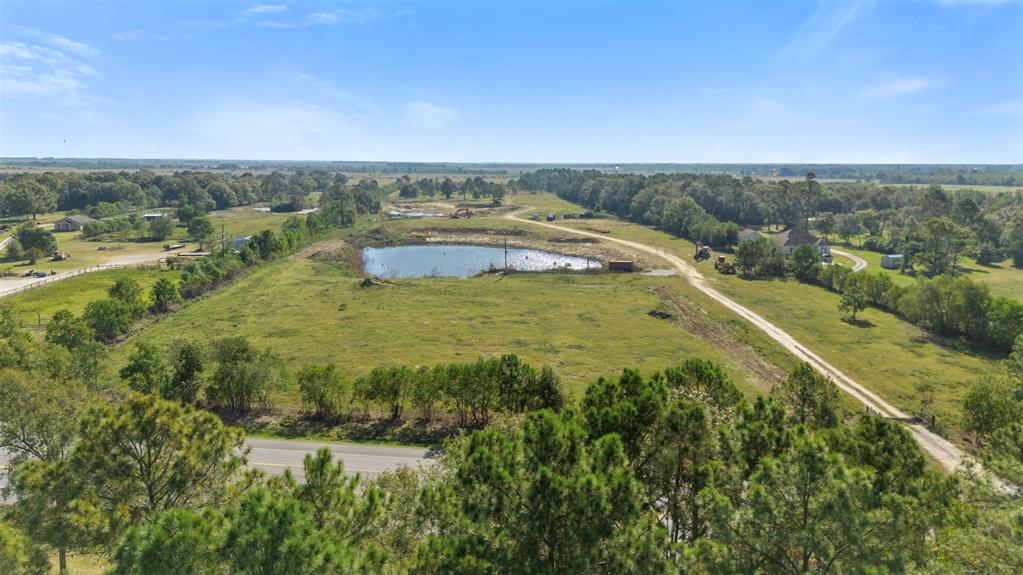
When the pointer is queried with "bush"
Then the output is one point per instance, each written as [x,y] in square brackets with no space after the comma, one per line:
[108,318]
[322,389]
[244,377]
[160,228]
[165,296]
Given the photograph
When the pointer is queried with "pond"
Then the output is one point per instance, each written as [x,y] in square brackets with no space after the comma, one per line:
[462,261]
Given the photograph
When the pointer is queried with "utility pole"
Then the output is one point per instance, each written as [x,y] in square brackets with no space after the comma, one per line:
[223,238]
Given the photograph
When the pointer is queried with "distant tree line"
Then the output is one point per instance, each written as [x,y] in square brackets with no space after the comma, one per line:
[477,187]
[931,226]
[103,194]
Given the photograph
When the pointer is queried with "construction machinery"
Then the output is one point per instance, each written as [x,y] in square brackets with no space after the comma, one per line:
[724,266]
[59,256]
[461,213]
[702,252]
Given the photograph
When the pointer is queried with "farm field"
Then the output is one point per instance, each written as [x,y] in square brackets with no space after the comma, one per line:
[891,357]
[586,326]
[887,355]
[75,293]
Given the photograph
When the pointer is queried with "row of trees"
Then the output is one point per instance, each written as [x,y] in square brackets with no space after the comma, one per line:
[473,392]
[674,472]
[104,194]
[476,186]
[934,227]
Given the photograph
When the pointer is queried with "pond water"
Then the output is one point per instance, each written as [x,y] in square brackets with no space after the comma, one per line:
[462,261]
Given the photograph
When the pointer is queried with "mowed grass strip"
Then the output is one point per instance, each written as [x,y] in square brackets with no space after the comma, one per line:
[586,326]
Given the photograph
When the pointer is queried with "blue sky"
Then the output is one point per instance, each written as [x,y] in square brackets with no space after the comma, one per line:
[860,81]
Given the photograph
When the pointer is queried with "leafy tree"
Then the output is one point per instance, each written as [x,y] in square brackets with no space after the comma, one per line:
[810,396]
[806,261]
[31,237]
[854,294]
[942,243]
[68,331]
[175,542]
[1014,242]
[322,388]
[806,511]
[165,296]
[39,414]
[187,379]
[108,318]
[201,230]
[129,292]
[337,503]
[145,371]
[148,455]
[628,407]
[992,403]
[161,228]
[848,225]
[389,387]
[46,506]
[19,556]
[244,376]
[269,535]
[538,500]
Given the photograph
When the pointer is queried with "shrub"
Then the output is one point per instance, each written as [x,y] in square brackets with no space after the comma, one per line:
[323,389]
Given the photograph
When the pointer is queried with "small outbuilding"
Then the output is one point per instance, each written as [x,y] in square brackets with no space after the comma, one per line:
[72,223]
[892,261]
[621,266]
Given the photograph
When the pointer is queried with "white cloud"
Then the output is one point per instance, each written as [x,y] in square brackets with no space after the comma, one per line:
[827,22]
[768,105]
[427,115]
[57,76]
[265,9]
[80,48]
[896,86]
[322,18]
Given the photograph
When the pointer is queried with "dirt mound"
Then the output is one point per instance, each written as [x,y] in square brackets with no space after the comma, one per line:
[695,321]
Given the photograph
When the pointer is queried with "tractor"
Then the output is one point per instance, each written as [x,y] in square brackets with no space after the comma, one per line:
[702,252]
[724,266]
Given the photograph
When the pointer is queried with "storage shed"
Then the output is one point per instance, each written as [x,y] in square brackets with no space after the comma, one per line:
[892,261]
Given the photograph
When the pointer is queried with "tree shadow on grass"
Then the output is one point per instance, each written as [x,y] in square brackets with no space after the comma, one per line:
[858,322]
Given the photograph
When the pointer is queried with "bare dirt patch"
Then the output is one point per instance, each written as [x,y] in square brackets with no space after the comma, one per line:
[567,245]
[693,320]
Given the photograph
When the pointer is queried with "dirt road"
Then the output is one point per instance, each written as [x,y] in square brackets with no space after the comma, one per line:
[942,450]
[10,286]
[858,262]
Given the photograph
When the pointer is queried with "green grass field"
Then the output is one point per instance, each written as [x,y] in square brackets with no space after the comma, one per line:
[1002,278]
[584,326]
[75,293]
[887,355]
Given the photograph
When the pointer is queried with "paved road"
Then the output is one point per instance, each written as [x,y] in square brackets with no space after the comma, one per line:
[858,262]
[275,455]
[942,450]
